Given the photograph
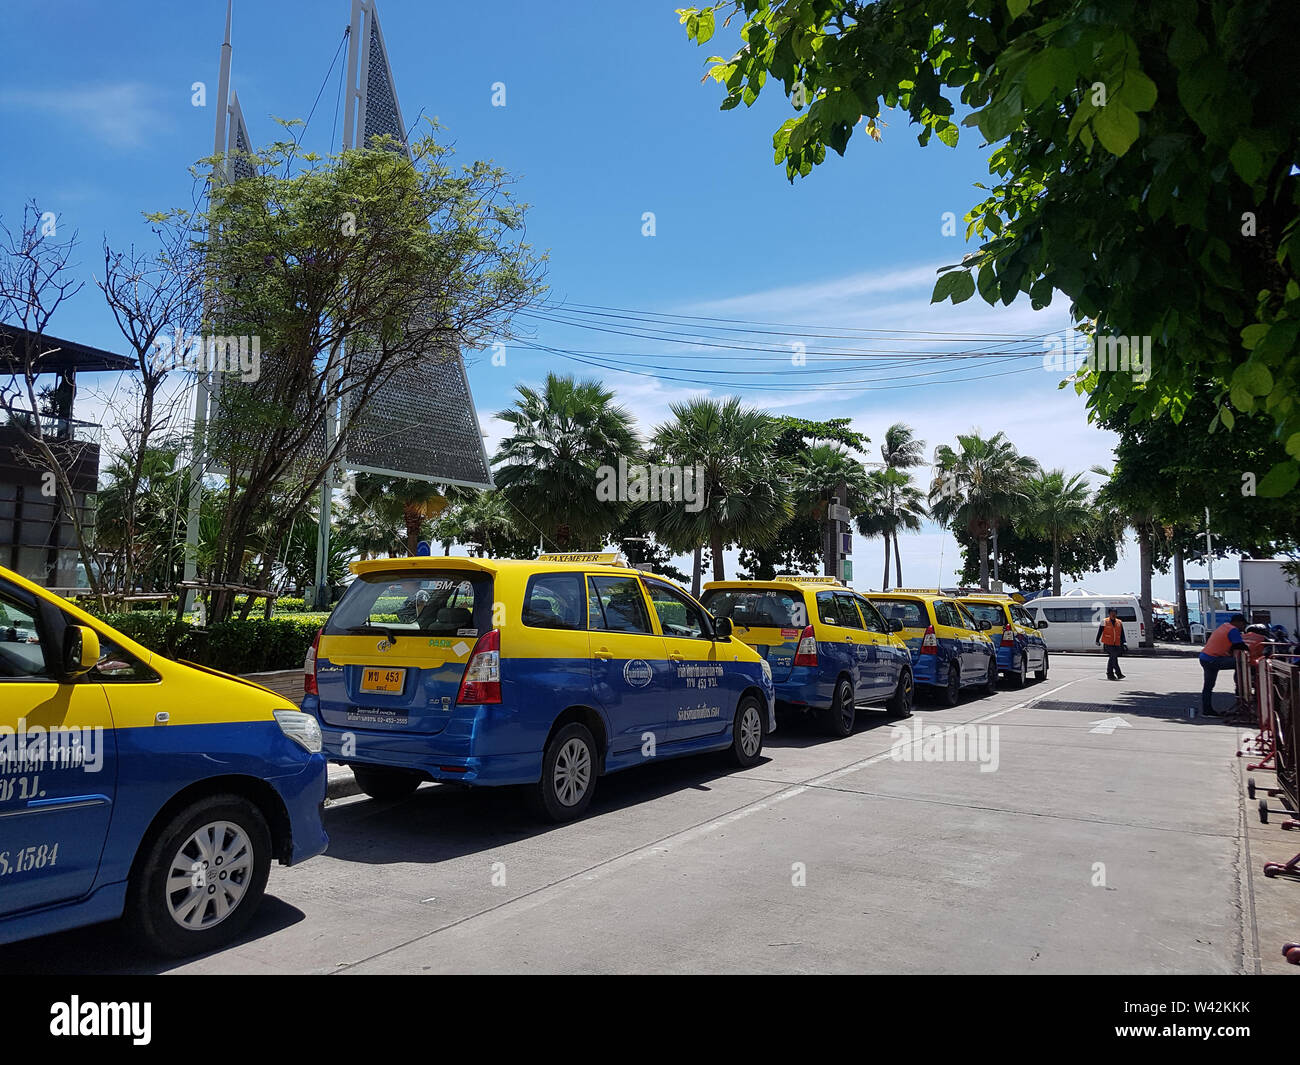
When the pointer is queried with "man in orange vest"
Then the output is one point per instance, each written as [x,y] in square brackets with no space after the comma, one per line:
[1110,634]
[1217,655]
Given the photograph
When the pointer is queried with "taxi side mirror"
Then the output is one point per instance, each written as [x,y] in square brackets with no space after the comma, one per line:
[984,625]
[895,625]
[1042,624]
[722,628]
[80,651]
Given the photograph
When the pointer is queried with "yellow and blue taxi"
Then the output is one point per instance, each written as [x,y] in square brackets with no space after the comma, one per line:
[1020,646]
[950,649]
[132,784]
[546,672]
[829,649]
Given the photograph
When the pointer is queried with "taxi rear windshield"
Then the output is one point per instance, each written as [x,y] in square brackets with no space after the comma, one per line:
[446,603]
[908,611]
[756,609]
[990,612]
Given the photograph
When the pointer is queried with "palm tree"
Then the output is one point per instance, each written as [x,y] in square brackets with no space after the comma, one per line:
[893,502]
[902,451]
[487,521]
[1125,505]
[978,486]
[746,498]
[412,502]
[560,438]
[1059,509]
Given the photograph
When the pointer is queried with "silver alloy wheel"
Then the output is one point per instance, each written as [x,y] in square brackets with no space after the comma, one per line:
[208,875]
[572,772]
[751,732]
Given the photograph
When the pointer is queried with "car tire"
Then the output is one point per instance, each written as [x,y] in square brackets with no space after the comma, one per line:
[1041,674]
[991,682]
[747,732]
[223,846]
[386,782]
[900,703]
[568,775]
[950,693]
[841,715]
[1020,675]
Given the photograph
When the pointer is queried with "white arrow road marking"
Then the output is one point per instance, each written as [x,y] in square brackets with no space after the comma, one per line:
[1109,725]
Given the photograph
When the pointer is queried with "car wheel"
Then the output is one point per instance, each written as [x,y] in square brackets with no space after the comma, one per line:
[568,774]
[842,713]
[1020,675]
[1041,674]
[900,703]
[202,878]
[991,681]
[747,732]
[385,782]
[950,693]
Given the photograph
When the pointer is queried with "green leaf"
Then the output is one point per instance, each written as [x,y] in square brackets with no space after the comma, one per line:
[1116,127]
[1229,419]
[704,26]
[1040,77]
[1252,335]
[1017,7]
[948,134]
[956,284]
[1279,480]
[1242,398]
[1138,91]
[1247,160]
[1293,445]
[1254,377]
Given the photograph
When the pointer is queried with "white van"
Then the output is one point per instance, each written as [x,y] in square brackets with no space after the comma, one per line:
[1070,622]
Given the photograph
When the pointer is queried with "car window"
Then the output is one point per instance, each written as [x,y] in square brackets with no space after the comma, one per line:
[759,608]
[22,656]
[826,608]
[117,666]
[990,612]
[619,605]
[446,603]
[848,611]
[946,614]
[678,616]
[968,619]
[1021,616]
[908,611]
[871,616]
[555,601]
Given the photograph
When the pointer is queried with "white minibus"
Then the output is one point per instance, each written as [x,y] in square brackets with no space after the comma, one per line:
[1071,621]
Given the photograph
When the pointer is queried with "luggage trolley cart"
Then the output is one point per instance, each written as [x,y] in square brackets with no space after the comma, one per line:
[1261,744]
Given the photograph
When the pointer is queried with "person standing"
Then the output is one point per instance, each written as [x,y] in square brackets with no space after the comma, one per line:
[1110,635]
[1216,655]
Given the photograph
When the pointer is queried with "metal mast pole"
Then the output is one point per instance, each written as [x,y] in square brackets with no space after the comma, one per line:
[198,458]
[1209,563]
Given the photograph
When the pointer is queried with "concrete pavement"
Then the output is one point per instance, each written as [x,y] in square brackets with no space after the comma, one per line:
[1104,832]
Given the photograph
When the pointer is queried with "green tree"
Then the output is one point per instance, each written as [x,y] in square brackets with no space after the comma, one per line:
[892,502]
[978,486]
[1142,161]
[549,465]
[1059,509]
[746,497]
[902,450]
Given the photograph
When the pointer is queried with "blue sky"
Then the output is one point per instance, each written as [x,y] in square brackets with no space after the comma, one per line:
[605,119]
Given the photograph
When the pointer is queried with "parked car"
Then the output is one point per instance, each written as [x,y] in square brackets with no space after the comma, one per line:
[830,650]
[1020,646]
[950,649]
[134,785]
[545,673]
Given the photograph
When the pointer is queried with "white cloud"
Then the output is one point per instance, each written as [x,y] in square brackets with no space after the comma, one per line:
[122,115]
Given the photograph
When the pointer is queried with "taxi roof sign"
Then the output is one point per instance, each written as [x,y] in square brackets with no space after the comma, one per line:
[813,580]
[595,558]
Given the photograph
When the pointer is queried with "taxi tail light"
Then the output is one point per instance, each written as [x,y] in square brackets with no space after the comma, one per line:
[1008,638]
[929,642]
[309,667]
[482,680]
[806,653]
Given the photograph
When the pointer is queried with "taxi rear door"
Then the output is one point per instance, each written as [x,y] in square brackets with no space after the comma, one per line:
[58,766]
[703,693]
[630,672]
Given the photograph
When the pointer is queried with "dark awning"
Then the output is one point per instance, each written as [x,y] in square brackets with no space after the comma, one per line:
[60,354]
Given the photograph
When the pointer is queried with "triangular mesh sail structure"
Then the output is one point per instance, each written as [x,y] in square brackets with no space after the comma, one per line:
[420,422]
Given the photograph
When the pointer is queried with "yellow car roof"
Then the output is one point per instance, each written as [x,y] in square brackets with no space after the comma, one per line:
[487,565]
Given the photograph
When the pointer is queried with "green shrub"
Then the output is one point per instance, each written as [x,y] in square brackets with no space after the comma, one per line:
[254,646]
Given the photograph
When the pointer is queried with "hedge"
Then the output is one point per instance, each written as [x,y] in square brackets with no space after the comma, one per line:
[253,646]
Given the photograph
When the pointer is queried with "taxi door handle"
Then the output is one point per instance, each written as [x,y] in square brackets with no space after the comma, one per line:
[603,653]
[675,657]
[848,639]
